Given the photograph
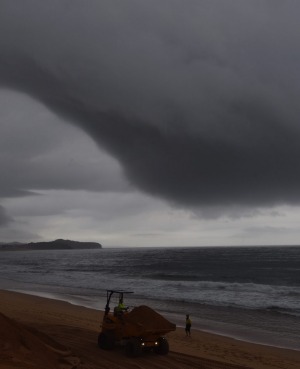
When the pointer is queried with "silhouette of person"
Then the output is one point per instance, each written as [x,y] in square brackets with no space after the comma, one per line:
[188,324]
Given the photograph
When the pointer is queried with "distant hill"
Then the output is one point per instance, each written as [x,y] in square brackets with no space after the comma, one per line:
[59,244]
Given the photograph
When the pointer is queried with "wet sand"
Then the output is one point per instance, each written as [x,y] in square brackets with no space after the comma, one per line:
[38,333]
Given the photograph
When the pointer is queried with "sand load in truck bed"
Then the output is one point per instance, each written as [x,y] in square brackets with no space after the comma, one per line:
[149,320]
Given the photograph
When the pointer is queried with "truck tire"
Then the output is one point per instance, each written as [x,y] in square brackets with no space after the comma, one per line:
[133,347]
[105,341]
[163,346]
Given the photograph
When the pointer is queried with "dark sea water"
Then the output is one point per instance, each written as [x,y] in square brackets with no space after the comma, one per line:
[251,293]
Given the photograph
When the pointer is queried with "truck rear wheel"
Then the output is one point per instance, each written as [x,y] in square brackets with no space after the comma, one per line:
[133,347]
[106,341]
[163,346]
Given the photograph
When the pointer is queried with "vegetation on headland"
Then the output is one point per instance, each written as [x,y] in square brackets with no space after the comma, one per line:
[59,244]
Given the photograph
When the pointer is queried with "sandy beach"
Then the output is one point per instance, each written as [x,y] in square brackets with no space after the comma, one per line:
[43,333]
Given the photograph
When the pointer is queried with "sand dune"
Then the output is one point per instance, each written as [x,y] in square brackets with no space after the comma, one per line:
[38,333]
[23,347]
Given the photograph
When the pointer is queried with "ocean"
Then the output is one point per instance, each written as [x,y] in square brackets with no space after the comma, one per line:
[249,293]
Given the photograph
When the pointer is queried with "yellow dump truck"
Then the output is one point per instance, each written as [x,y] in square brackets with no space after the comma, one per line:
[140,329]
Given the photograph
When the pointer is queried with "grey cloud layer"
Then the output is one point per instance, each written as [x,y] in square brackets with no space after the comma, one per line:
[4,219]
[197,100]
[39,152]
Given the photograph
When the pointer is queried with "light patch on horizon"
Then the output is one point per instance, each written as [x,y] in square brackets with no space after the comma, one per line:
[124,219]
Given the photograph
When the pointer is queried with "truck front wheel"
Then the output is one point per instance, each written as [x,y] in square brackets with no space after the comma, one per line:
[163,346]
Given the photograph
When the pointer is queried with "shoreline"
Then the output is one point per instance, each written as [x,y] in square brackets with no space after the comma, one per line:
[50,315]
[239,333]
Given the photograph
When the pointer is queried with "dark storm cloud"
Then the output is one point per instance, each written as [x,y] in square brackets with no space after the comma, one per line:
[197,100]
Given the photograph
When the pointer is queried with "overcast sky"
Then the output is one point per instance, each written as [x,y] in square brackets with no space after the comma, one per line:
[147,123]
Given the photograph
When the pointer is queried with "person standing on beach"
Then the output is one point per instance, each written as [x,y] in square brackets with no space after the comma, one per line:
[188,324]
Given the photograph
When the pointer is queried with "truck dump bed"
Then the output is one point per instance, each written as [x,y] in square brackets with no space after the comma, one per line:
[143,321]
